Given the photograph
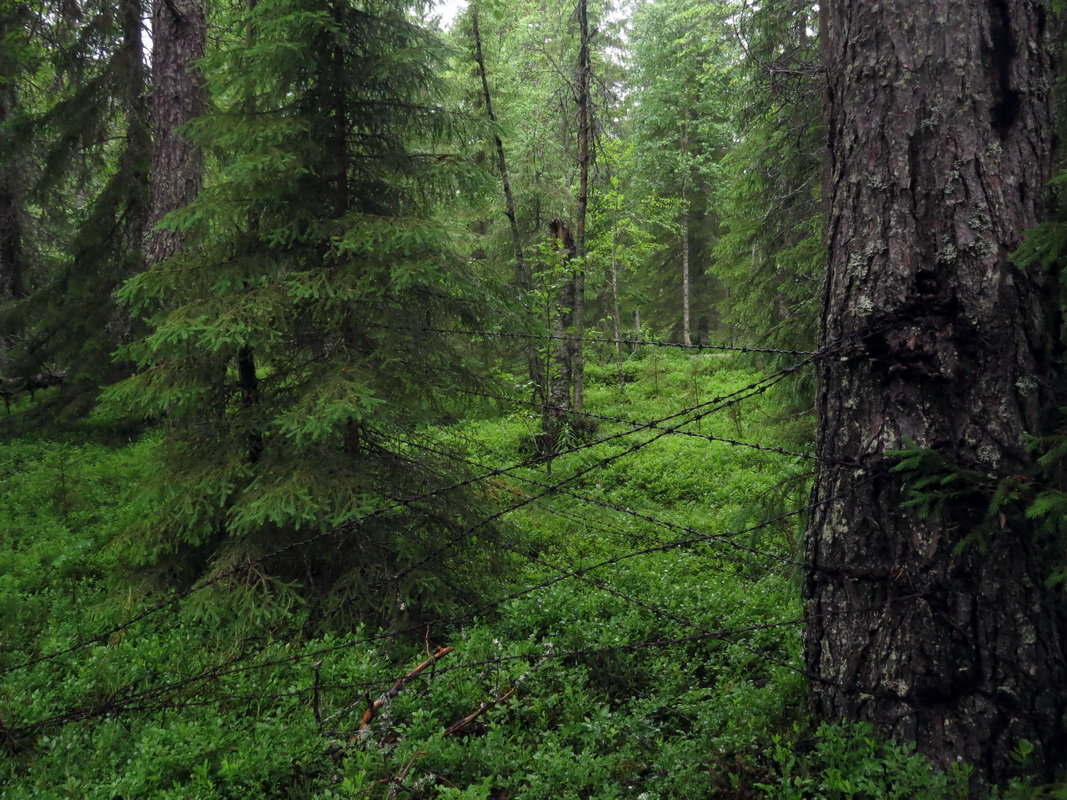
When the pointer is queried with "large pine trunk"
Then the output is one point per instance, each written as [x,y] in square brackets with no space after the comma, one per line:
[937,626]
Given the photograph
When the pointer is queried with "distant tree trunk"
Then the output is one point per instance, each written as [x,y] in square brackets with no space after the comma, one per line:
[939,628]
[523,275]
[685,278]
[337,89]
[684,152]
[616,310]
[178,35]
[12,283]
[248,384]
[563,361]
[585,134]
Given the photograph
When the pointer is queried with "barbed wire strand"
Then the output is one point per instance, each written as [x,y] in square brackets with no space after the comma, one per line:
[601,503]
[753,389]
[592,340]
[635,424]
[117,703]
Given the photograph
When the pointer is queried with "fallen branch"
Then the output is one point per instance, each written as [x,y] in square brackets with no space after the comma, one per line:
[396,783]
[456,727]
[394,690]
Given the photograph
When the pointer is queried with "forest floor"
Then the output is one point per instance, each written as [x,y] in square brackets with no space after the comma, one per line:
[641,640]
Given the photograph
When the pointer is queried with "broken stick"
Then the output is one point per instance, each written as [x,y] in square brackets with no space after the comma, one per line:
[394,690]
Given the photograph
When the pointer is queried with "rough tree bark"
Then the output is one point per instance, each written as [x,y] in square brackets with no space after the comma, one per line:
[937,628]
[178,35]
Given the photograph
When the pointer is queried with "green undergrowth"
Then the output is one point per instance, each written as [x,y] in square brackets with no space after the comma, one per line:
[667,667]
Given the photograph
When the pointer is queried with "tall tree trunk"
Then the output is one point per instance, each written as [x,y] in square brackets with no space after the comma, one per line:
[523,275]
[585,130]
[136,214]
[523,278]
[12,284]
[247,374]
[684,152]
[178,34]
[616,310]
[939,628]
[686,339]
[248,384]
[337,88]
[562,362]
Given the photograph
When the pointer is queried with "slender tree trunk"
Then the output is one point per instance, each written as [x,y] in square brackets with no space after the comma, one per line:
[178,35]
[939,628]
[338,88]
[248,384]
[562,362]
[523,275]
[247,374]
[684,151]
[523,278]
[685,279]
[12,283]
[585,128]
[616,309]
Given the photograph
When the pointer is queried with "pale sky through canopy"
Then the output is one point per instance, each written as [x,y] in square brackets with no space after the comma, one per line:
[448,10]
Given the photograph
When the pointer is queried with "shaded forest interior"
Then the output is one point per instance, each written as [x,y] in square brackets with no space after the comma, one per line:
[576,399]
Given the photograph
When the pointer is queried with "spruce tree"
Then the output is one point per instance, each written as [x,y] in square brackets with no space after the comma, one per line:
[84,157]
[286,347]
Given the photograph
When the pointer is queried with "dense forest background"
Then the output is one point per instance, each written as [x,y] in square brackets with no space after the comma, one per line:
[393,411]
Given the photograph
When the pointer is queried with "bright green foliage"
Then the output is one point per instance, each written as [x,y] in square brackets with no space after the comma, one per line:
[613,698]
[286,343]
[644,614]
[630,230]
[531,50]
[852,763]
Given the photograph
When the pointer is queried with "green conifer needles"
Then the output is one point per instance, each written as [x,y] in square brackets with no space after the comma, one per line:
[272,354]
